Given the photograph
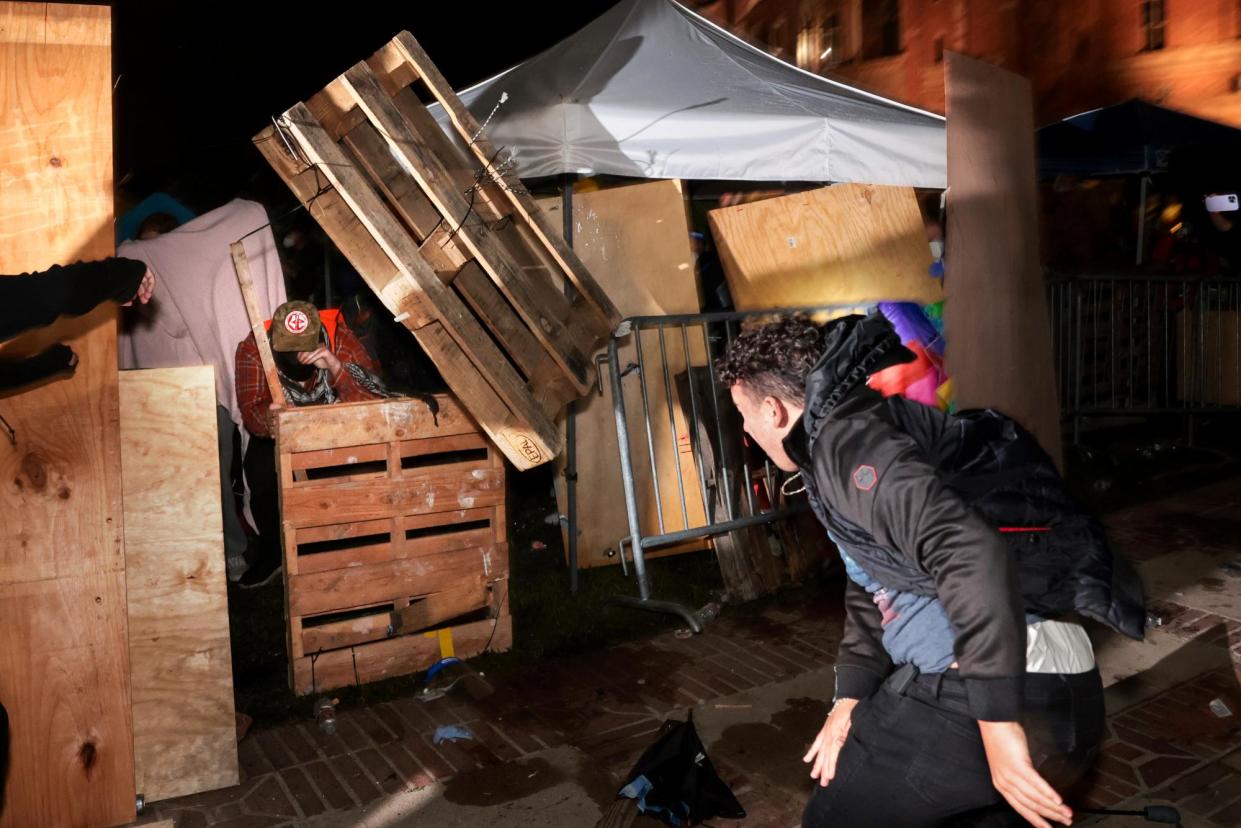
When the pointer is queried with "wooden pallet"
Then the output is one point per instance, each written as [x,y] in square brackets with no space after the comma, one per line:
[392,518]
[450,241]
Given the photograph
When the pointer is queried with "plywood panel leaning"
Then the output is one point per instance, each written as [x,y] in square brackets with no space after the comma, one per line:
[185,737]
[450,241]
[394,536]
[842,245]
[64,655]
[999,337]
[635,240]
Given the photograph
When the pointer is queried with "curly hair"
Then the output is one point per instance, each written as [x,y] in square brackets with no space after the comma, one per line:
[774,360]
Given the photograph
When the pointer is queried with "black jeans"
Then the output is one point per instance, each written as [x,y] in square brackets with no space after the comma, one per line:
[260,469]
[914,756]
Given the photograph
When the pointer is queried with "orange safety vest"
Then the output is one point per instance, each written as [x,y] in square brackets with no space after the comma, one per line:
[329,318]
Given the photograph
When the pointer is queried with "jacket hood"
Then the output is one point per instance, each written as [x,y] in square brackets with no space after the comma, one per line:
[855,347]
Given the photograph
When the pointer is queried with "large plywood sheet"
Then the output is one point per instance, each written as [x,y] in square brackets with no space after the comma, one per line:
[181,665]
[635,241]
[64,656]
[844,245]
[999,337]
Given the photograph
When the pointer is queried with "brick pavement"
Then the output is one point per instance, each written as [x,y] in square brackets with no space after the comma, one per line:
[609,704]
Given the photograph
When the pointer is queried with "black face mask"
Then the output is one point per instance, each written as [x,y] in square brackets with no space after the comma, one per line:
[287,362]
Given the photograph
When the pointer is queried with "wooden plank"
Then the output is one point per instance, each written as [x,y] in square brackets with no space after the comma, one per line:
[440,445]
[344,425]
[343,589]
[321,638]
[349,456]
[314,503]
[849,244]
[326,206]
[543,308]
[635,240]
[451,312]
[441,607]
[64,654]
[399,656]
[185,737]
[242,266]
[472,134]
[999,344]
[553,386]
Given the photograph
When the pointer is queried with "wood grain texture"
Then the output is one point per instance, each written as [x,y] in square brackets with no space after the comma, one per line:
[185,737]
[635,240]
[362,423]
[268,360]
[846,244]
[999,341]
[399,656]
[64,656]
[318,502]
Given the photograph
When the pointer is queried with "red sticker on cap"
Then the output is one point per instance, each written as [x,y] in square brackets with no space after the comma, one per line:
[296,322]
[865,478]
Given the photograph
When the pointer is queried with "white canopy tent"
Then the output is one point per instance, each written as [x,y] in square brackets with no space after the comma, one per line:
[652,90]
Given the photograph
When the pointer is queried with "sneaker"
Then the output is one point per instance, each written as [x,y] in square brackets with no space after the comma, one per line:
[261,574]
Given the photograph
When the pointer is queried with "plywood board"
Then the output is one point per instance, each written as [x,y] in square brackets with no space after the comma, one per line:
[635,241]
[64,655]
[844,245]
[185,738]
[999,337]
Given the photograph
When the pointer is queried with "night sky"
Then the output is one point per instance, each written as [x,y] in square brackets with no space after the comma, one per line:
[195,80]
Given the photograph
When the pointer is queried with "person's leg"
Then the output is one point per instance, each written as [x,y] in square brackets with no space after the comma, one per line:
[260,469]
[927,761]
[234,534]
[1063,717]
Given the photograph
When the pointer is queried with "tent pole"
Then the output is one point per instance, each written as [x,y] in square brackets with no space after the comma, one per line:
[570,466]
[1142,217]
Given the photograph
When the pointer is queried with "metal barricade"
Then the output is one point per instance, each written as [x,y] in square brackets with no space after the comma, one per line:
[663,376]
[1145,345]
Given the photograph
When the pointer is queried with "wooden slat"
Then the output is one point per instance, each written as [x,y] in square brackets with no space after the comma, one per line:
[341,531]
[326,206]
[536,300]
[472,134]
[441,607]
[331,636]
[242,267]
[185,737]
[64,654]
[343,589]
[398,656]
[357,424]
[439,445]
[314,503]
[339,456]
[554,388]
[451,312]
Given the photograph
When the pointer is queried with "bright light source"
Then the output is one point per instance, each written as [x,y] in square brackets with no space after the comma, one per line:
[826,52]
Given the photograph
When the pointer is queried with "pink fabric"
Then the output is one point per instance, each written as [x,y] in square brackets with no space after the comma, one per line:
[197,316]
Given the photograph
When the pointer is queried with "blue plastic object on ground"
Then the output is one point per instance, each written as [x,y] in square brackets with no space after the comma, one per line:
[453,733]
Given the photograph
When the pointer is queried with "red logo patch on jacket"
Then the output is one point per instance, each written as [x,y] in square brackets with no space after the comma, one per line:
[865,478]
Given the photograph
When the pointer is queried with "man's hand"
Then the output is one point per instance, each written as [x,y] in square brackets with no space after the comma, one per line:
[146,288]
[826,748]
[1014,776]
[323,359]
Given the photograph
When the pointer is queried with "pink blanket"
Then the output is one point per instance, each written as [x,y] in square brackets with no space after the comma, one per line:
[197,316]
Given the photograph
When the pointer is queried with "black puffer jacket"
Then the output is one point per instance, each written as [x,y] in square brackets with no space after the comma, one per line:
[917,497]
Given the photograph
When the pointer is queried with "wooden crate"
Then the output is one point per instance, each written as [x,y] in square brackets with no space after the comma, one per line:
[450,241]
[387,507]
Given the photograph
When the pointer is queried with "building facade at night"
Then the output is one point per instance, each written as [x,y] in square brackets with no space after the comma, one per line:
[1078,54]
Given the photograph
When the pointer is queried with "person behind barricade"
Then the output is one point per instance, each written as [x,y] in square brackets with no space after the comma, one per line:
[966,694]
[319,361]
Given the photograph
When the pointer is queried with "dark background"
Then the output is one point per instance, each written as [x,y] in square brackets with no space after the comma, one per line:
[195,80]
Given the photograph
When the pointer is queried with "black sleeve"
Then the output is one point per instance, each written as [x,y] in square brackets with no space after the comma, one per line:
[18,373]
[33,300]
[884,484]
[861,663]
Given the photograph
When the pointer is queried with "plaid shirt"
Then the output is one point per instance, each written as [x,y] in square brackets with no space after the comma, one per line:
[254,397]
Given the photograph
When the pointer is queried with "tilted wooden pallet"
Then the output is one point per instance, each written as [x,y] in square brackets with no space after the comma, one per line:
[395,548]
[450,241]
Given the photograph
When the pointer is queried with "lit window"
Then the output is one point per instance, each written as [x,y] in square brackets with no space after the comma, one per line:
[1154,22]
